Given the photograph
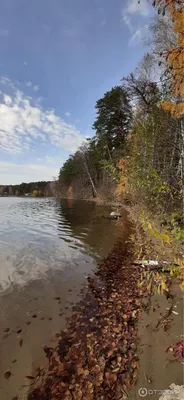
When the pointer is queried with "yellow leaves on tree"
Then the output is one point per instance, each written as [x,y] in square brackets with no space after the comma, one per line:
[175,56]
[122,185]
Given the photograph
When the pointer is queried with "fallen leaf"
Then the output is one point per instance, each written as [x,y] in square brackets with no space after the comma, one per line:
[7,374]
[30,377]
[80,371]
[20,342]
[28,323]
[19,331]
[34,316]
[7,330]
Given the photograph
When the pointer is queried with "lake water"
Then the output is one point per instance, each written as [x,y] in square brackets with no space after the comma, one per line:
[47,248]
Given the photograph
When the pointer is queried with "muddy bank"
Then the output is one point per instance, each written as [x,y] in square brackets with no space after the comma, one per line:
[160,327]
[118,340]
[96,355]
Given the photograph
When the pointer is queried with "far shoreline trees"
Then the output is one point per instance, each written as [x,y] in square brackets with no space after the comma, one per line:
[35,189]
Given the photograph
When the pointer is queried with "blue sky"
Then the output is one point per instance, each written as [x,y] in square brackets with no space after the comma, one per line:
[58,57]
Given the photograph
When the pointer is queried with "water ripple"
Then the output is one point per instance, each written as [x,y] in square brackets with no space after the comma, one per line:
[35,237]
[43,236]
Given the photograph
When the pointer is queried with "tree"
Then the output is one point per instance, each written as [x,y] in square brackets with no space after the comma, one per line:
[35,193]
[162,36]
[161,40]
[175,69]
[68,171]
[83,154]
[142,88]
[173,60]
[155,157]
[95,158]
[173,56]
[113,120]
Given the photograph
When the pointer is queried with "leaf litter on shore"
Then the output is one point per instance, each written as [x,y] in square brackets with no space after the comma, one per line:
[96,355]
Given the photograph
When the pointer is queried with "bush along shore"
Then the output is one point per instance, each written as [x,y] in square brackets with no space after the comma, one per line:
[96,355]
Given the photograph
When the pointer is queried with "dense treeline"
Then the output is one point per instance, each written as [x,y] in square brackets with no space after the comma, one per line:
[138,146]
[41,188]
[97,156]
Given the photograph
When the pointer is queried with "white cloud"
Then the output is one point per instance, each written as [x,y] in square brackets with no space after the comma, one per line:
[11,173]
[68,114]
[36,88]
[7,82]
[138,35]
[4,32]
[29,84]
[54,160]
[7,100]
[24,122]
[133,7]
[127,20]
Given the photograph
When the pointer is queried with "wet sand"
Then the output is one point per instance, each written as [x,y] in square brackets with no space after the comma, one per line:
[117,340]
[157,370]
[95,357]
[38,300]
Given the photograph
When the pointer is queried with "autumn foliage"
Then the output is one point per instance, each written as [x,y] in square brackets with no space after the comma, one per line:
[175,55]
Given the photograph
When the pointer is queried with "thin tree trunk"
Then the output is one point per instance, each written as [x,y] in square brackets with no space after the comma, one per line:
[109,153]
[94,191]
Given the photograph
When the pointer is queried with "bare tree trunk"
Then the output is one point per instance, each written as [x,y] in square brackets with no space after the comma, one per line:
[109,153]
[94,191]
[91,180]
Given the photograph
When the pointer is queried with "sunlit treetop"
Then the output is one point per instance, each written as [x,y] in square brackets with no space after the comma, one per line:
[174,56]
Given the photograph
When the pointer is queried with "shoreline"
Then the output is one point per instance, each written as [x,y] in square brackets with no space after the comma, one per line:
[96,355]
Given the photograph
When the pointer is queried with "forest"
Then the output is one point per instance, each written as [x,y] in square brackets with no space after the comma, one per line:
[137,151]
[35,189]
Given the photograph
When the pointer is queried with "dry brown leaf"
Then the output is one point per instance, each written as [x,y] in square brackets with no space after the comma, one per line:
[30,377]
[7,374]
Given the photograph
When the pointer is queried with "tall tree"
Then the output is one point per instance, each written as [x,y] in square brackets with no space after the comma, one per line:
[173,59]
[113,120]
[174,55]
[175,70]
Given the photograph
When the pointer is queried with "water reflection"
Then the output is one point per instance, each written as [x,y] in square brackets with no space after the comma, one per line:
[39,236]
[90,224]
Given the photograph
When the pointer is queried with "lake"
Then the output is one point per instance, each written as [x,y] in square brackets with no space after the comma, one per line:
[47,249]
